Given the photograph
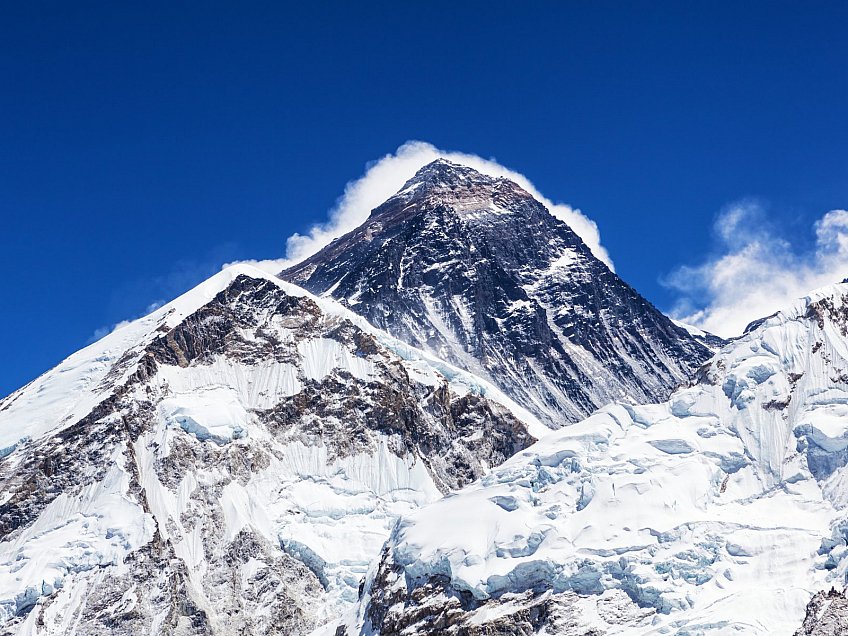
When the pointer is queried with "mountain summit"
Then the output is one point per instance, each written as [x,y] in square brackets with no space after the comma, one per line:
[464,189]
[475,270]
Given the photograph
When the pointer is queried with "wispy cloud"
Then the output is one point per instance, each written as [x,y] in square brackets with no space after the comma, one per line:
[104,331]
[139,297]
[754,271]
[386,176]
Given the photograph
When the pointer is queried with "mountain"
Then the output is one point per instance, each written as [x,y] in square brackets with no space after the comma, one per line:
[229,464]
[259,458]
[476,271]
[723,510]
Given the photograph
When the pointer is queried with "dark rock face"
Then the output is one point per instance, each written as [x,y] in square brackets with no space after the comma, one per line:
[434,606]
[468,430]
[475,270]
[827,615]
[398,604]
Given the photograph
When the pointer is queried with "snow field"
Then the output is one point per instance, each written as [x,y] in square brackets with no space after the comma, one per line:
[721,510]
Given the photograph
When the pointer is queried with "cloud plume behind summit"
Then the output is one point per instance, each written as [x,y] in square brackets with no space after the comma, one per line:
[385,176]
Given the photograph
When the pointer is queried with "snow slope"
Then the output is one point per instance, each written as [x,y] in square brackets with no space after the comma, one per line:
[70,390]
[720,511]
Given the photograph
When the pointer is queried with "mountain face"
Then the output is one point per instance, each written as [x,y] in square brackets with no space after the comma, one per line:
[229,464]
[721,511]
[475,270]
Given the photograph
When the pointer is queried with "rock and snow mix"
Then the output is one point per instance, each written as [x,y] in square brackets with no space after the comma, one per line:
[721,511]
[253,459]
[232,462]
[237,459]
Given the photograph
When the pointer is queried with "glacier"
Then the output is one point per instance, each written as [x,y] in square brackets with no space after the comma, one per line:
[720,511]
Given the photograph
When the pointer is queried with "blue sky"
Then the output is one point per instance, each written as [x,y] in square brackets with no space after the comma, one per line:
[142,145]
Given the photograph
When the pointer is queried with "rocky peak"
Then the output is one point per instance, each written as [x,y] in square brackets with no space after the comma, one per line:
[443,174]
[475,270]
[448,184]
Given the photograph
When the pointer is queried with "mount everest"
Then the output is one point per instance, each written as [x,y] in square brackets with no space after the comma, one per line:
[475,270]
[370,449]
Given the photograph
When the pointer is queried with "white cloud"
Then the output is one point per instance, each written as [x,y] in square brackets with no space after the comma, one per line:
[755,272]
[102,332]
[386,176]
[270,265]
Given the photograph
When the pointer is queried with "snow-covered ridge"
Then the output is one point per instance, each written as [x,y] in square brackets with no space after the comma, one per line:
[709,340]
[70,390]
[720,511]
